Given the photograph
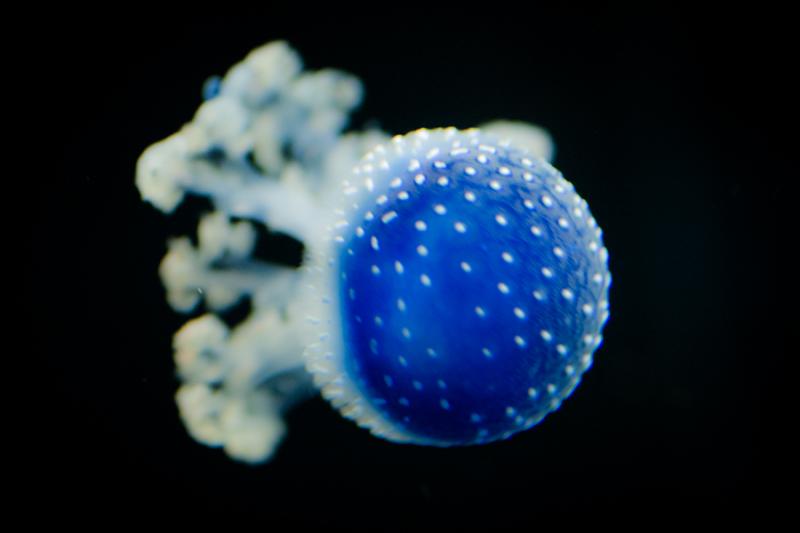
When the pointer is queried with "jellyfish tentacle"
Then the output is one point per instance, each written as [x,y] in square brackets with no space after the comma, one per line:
[265,146]
[220,271]
[258,146]
[235,386]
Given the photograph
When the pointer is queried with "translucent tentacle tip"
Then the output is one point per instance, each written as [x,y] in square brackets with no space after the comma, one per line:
[466,287]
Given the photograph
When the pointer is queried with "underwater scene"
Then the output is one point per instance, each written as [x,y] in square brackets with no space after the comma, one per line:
[390,275]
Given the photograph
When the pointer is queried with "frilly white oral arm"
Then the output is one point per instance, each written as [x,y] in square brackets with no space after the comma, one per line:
[259,147]
[265,147]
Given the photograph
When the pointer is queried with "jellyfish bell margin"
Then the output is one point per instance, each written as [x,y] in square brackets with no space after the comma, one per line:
[454,286]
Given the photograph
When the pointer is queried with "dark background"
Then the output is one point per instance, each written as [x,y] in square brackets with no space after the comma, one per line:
[663,121]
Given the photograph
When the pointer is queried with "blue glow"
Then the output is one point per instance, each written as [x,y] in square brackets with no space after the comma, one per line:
[462,325]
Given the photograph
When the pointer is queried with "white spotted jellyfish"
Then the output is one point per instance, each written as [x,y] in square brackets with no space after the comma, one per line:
[453,285]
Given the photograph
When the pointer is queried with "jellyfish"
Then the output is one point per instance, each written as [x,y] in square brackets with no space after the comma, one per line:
[453,286]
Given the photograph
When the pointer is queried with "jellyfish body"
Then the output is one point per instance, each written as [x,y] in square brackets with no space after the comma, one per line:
[471,284]
[453,288]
